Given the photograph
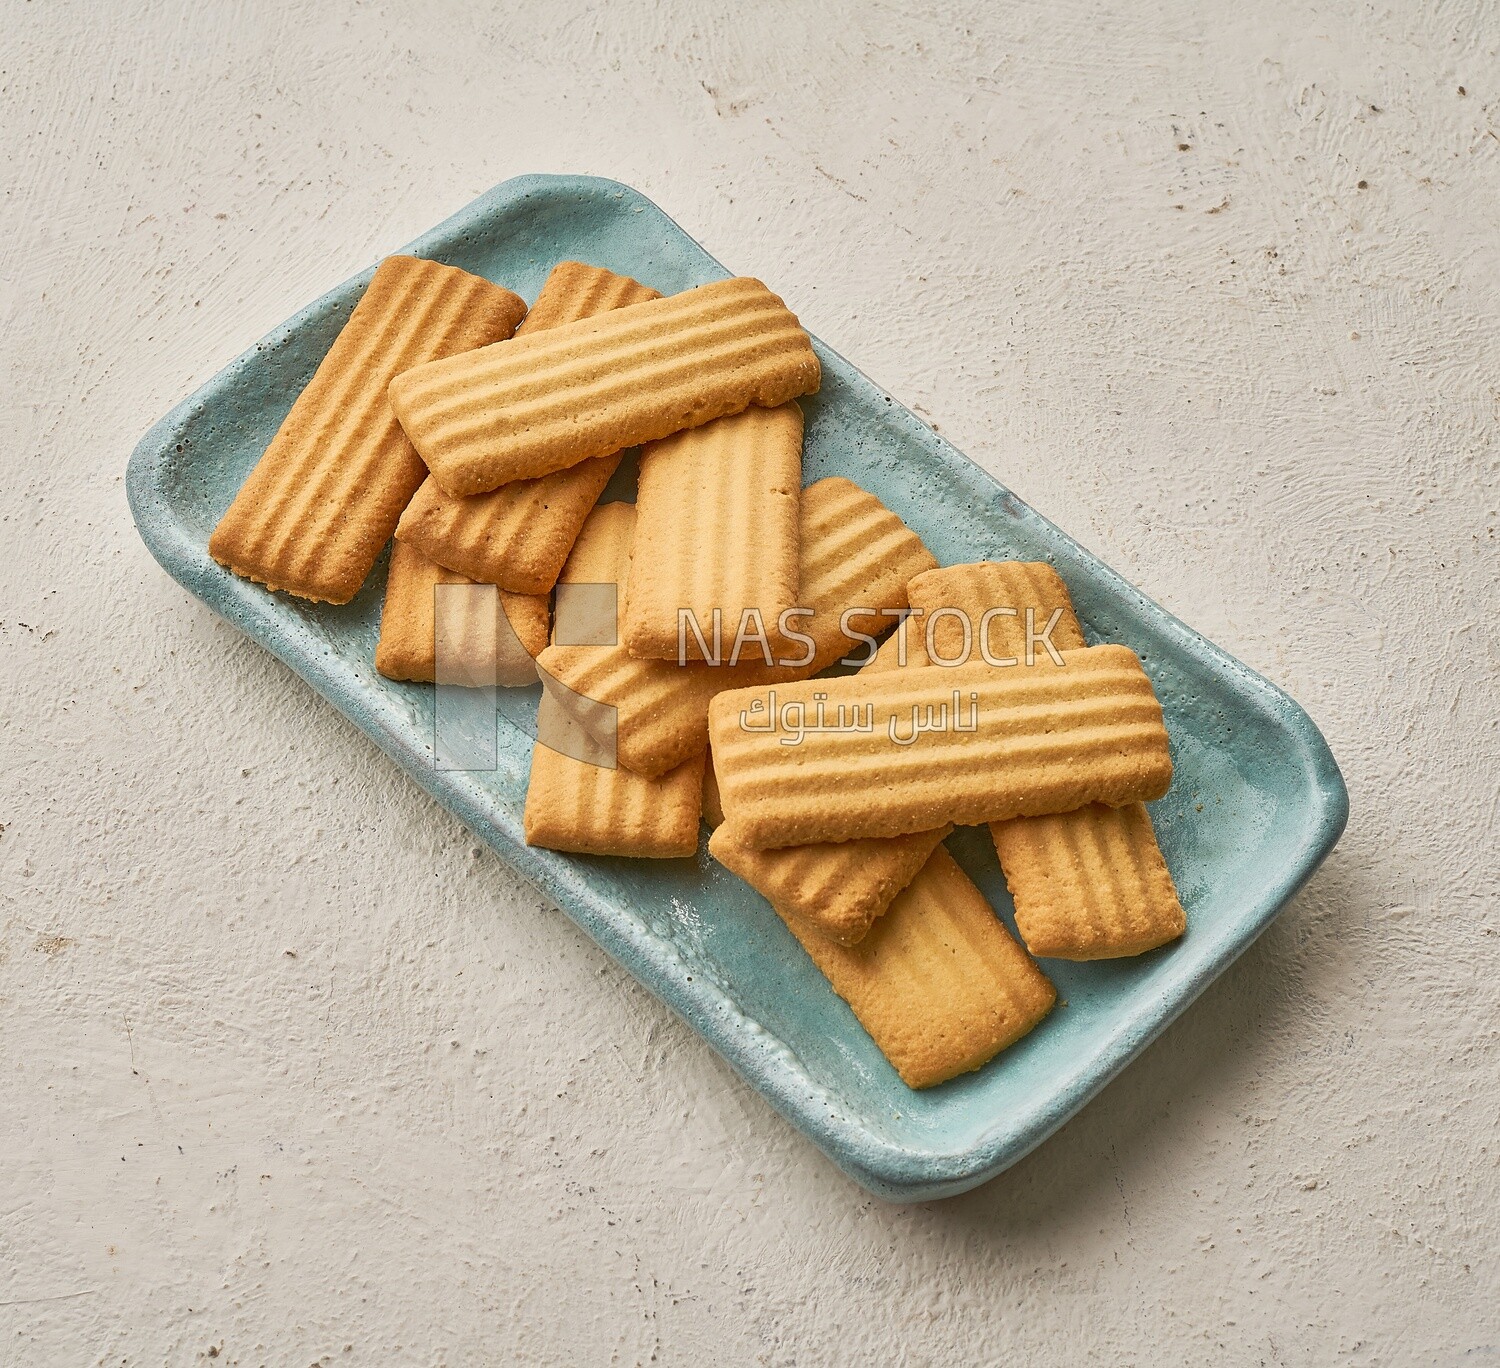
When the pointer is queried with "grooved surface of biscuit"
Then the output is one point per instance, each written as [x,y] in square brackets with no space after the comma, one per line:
[554,397]
[938,982]
[836,889]
[716,533]
[1035,740]
[574,806]
[475,648]
[575,290]
[1089,884]
[968,610]
[324,498]
[854,553]
[518,536]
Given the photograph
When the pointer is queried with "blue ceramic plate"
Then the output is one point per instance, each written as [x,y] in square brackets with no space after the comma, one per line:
[1257,801]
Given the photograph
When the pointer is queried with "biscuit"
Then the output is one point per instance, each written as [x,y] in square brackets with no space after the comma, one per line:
[574,290]
[979,612]
[324,498]
[474,647]
[938,982]
[716,534]
[835,889]
[855,553]
[1089,884]
[577,798]
[518,536]
[601,555]
[584,808]
[794,768]
[590,388]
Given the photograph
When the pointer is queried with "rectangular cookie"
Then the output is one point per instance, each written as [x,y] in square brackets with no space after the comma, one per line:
[855,553]
[923,746]
[938,982]
[993,611]
[1087,884]
[1090,884]
[716,534]
[324,498]
[584,808]
[518,536]
[836,888]
[590,388]
[577,798]
[489,637]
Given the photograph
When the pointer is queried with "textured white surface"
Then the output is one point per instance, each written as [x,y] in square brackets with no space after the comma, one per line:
[295,1074]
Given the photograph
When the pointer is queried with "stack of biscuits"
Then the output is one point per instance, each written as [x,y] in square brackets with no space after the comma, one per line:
[685,641]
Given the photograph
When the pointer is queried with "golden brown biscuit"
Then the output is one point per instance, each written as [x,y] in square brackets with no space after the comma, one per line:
[716,534]
[585,808]
[575,290]
[993,611]
[590,388]
[834,889]
[475,648]
[518,536]
[887,753]
[324,498]
[855,553]
[577,798]
[1089,884]
[938,982]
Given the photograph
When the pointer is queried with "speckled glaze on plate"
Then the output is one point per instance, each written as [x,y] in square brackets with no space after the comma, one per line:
[1256,804]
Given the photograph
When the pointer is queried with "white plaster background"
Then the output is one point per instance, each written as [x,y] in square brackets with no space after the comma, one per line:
[293,1073]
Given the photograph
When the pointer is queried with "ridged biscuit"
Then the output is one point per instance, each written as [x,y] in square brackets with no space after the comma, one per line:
[1044,739]
[577,798]
[576,806]
[574,290]
[716,534]
[475,649]
[1087,884]
[836,888]
[593,387]
[1090,884]
[324,498]
[956,601]
[938,982]
[518,536]
[855,553]
[601,555]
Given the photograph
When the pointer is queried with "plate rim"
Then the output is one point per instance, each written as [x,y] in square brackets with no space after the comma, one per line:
[891,1170]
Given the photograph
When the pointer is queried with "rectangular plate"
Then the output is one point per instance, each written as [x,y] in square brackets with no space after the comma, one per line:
[1257,800]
